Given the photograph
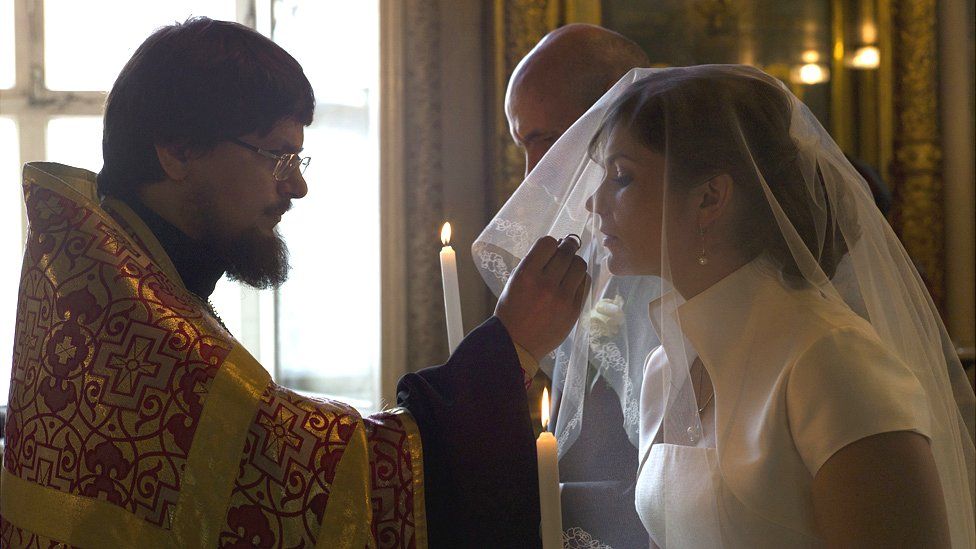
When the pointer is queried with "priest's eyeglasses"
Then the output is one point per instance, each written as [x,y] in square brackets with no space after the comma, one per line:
[287,163]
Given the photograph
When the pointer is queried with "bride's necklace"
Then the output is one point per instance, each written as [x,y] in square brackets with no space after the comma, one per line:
[701,375]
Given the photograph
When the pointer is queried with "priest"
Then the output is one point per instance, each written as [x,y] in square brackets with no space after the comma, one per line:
[135,417]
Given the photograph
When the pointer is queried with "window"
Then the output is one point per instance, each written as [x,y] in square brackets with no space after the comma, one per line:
[7,44]
[329,329]
[11,244]
[320,332]
[94,30]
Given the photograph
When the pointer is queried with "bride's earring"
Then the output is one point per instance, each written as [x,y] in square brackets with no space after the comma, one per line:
[702,258]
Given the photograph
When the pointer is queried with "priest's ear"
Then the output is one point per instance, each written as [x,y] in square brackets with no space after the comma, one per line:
[174,160]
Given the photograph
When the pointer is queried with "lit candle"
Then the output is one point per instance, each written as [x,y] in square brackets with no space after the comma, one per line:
[452,296]
[551,527]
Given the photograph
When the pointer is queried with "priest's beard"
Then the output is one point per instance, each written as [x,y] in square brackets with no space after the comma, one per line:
[250,257]
[256,259]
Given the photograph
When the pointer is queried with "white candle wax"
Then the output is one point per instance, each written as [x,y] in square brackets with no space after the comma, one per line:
[551,527]
[452,295]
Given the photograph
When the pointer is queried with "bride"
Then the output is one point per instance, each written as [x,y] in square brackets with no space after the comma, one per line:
[805,391]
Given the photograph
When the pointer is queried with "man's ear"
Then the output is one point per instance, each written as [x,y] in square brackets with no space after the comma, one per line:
[716,199]
[174,160]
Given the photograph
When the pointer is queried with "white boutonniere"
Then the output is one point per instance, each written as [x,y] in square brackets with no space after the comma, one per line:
[606,317]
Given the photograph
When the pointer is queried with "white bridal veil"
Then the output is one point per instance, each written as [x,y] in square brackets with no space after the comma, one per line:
[809,213]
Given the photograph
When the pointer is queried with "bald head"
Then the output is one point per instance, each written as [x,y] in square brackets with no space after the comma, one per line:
[560,79]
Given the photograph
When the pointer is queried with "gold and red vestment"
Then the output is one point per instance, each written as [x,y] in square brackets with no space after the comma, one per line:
[136,419]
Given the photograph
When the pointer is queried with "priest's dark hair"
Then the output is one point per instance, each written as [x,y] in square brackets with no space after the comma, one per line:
[193,85]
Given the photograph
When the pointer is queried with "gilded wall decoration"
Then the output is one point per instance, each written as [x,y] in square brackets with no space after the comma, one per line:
[916,171]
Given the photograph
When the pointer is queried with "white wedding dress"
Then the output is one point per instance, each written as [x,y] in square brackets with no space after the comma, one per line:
[787,397]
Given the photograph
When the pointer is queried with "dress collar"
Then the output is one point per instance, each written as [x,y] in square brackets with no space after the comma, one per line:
[719,318]
[663,319]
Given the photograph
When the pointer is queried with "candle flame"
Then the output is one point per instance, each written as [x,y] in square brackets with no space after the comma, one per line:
[545,408]
[446,234]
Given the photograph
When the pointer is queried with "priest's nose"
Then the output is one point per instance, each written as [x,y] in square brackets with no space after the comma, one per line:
[293,187]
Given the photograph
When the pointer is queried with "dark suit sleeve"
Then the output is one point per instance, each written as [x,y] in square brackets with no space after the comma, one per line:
[480,480]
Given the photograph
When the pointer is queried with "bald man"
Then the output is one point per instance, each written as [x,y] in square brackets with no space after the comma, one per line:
[558,81]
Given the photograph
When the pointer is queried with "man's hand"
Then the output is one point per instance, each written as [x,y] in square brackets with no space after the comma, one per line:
[543,297]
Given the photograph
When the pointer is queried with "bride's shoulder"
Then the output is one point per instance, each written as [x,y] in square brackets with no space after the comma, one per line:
[824,330]
[812,313]
[850,356]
